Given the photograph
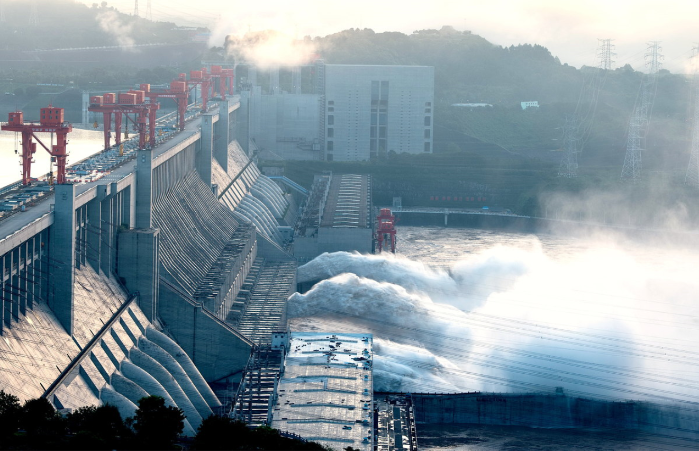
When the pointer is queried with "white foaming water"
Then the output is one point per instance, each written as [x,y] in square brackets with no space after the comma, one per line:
[465,310]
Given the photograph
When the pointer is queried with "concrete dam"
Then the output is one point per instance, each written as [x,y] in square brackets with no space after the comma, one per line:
[158,279]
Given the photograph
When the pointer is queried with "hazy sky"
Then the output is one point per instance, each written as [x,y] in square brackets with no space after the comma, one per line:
[569,29]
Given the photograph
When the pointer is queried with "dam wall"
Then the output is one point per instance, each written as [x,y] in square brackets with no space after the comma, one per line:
[556,411]
[146,281]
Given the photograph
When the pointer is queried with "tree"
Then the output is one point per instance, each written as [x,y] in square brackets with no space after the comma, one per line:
[10,411]
[217,432]
[45,427]
[97,428]
[157,425]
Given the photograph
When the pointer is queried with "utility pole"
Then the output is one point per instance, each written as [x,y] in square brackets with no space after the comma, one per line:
[34,15]
[692,176]
[577,128]
[135,8]
[638,124]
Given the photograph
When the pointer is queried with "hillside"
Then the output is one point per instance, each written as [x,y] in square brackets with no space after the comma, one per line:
[470,69]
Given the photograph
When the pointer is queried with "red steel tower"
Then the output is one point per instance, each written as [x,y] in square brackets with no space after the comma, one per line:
[51,121]
[203,78]
[178,92]
[132,102]
[386,229]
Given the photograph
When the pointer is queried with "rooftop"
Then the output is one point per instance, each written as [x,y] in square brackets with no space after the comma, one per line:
[326,391]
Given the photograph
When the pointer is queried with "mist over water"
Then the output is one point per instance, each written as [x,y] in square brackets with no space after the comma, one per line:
[466,310]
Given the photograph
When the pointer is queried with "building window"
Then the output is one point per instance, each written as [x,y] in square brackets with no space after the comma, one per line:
[330,146]
[382,132]
[428,103]
[427,147]
[331,133]
[428,121]
[427,133]
[428,110]
[372,132]
[331,102]
[331,120]
[383,119]
[331,109]
[329,157]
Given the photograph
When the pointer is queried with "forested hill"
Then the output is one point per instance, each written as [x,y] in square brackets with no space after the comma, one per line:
[60,24]
[468,68]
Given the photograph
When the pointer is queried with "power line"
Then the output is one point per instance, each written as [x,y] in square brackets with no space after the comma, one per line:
[640,119]
[577,128]
[34,15]
[692,175]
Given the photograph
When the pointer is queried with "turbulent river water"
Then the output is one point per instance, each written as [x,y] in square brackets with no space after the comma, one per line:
[464,310]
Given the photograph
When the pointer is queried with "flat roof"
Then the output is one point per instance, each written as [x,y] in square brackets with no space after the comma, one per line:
[326,391]
[347,204]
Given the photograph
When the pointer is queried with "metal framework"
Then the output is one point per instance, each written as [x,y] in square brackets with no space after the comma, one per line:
[51,121]
[692,176]
[386,230]
[178,92]
[577,128]
[638,124]
[202,78]
[132,102]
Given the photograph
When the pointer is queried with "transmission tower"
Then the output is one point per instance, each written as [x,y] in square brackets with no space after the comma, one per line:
[34,15]
[692,176]
[569,162]
[149,13]
[135,8]
[577,128]
[638,124]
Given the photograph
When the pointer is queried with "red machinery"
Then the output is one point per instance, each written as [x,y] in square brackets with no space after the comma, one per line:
[386,229]
[178,92]
[203,78]
[224,79]
[52,121]
[132,102]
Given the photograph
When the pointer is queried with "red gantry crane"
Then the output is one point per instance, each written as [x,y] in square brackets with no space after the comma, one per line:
[178,92]
[51,121]
[203,78]
[121,105]
[386,229]
[223,78]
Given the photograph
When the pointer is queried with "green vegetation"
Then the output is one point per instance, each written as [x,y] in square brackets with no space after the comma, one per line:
[69,24]
[509,156]
[219,433]
[36,425]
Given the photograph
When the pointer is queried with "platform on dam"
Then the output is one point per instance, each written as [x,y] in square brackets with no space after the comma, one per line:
[325,393]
